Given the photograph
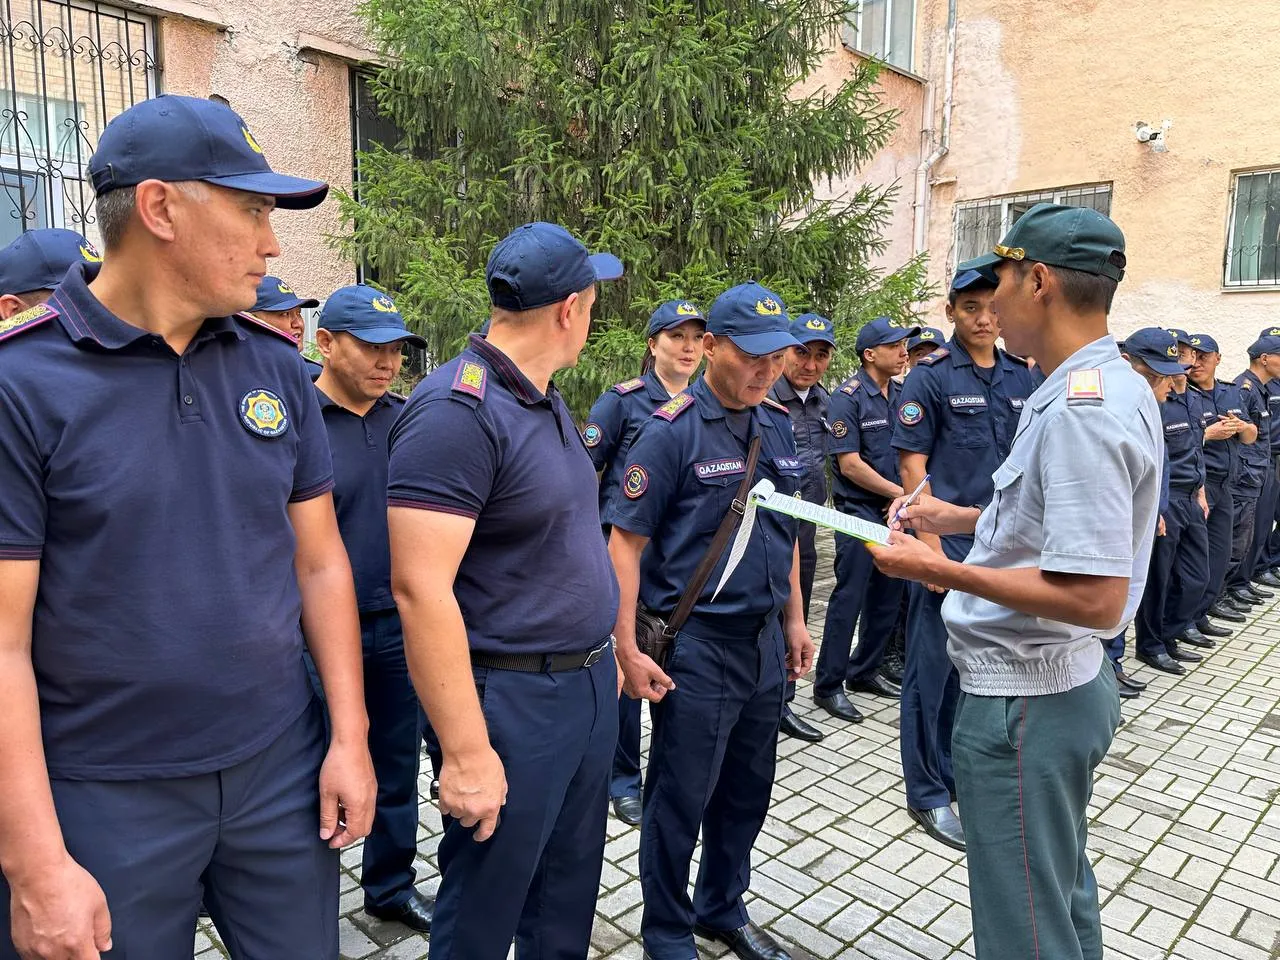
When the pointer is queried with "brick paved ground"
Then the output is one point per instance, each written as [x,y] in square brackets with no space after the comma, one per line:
[1185,837]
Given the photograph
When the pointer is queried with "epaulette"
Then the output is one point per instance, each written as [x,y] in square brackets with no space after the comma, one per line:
[770,402]
[26,320]
[263,325]
[1245,384]
[628,386]
[470,379]
[940,354]
[674,407]
[1084,386]
[850,386]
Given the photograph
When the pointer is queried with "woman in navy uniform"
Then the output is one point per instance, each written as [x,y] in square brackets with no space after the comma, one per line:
[674,352]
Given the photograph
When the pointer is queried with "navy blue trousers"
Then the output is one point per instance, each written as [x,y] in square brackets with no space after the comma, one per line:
[930,690]
[246,839]
[808,541]
[626,755]
[1264,522]
[536,879]
[1177,576]
[1219,527]
[1241,570]
[1114,648]
[711,767]
[861,591]
[387,873]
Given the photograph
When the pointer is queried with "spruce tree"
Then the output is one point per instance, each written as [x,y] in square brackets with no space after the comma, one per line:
[667,132]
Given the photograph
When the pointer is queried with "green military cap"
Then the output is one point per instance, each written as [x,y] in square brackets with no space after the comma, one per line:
[1074,238]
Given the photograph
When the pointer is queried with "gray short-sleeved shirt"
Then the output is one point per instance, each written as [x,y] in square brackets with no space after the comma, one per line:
[1079,493]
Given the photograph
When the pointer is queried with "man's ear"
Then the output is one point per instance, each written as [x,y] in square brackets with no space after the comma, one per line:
[564,318]
[324,342]
[154,205]
[11,306]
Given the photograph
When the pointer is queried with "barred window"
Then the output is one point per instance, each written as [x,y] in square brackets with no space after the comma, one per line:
[67,68]
[885,29]
[981,223]
[1253,240]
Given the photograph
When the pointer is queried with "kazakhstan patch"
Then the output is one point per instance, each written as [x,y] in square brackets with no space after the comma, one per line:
[263,413]
[910,413]
[839,429]
[636,482]
[592,434]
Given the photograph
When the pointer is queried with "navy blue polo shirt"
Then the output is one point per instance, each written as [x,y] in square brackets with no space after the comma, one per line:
[682,473]
[154,490]
[1221,460]
[477,439]
[359,446]
[861,420]
[1273,408]
[1183,439]
[809,425]
[612,425]
[965,421]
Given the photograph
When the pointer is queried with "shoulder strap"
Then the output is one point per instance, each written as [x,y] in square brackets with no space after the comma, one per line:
[724,533]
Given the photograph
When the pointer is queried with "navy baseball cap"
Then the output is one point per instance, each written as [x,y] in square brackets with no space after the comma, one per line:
[1157,348]
[974,273]
[39,259]
[928,336]
[672,314]
[542,263]
[810,328]
[1181,336]
[1204,343]
[367,314]
[754,318]
[276,296]
[1268,344]
[1269,332]
[880,331]
[173,138]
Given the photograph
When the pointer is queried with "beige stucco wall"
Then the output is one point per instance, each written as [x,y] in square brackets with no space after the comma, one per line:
[1050,100]
[297,105]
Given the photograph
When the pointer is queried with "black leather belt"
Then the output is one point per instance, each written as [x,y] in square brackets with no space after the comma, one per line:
[541,662]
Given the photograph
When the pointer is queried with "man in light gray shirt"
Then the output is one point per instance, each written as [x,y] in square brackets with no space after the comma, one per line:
[1060,559]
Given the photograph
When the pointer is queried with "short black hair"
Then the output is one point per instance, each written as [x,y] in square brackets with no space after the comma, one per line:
[1084,292]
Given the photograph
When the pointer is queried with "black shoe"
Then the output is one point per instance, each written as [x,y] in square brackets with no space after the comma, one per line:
[892,666]
[1267,578]
[1211,629]
[1164,663]
[876,685]
[793,726]
[1261,596]
[1184,656]
[749,942]
[627,809]
[1197,639]
[839,706]
[1242,599]
[1223,612]
[1124,680]
[942,824]
[415,913]
[435,790]
[1127,693]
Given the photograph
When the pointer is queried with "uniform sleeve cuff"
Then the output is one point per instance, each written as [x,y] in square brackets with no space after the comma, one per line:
[21,551]
[312,491]
[1092,566]
[435,506]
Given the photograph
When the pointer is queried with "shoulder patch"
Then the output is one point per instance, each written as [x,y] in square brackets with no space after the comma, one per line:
[940,354]
[851,386]
[628,386]
[770,402]
[674,407]
[25,320]
[470,379]
[1246,384]
[1084,385]
[253,321]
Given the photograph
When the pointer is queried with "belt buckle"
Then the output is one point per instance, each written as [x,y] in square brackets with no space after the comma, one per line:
[596,655]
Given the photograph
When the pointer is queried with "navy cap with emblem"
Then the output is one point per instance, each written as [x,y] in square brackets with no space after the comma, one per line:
[39,259]
[882,330]
[367,314]
[1157,348]
[672,314]
[174,138]
[1264,345]
[974,273]
[1181,336]
[1269,332]
[928,336]
[1074,238]
[276,296]
[541,263]
[754,318]
[811,327]
[1204,343]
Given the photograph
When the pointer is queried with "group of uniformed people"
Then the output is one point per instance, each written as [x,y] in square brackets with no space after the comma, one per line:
[230,577]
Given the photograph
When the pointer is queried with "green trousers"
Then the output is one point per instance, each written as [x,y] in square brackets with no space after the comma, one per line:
[1024,775]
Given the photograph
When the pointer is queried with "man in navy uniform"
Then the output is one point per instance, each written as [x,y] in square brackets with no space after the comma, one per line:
[865,467]
[1255,464]
[168,539]
[717,705]
[279,306]
[507,597]
[361,336]
[33,264]
[954,423]
[1267,540]
[922,344]
[800,390]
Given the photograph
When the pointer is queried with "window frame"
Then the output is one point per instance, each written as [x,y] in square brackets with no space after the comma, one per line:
[1242,286]
[909,66]
[1026,197]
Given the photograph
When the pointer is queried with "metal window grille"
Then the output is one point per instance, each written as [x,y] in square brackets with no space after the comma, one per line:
[68,68]
[1253,239]
[979,224]
[885,29]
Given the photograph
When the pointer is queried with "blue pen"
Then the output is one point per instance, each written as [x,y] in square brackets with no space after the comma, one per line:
[897,517]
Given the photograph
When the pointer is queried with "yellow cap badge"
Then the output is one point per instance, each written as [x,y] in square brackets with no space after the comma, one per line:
[686,310]
[1274,332]
[383,304]
[1010,253]
[90,253]
[926,334]
[263,413]
[816,324]
[1195,341]
[768,307]
[1172,350]
[284,288]
[248,138]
